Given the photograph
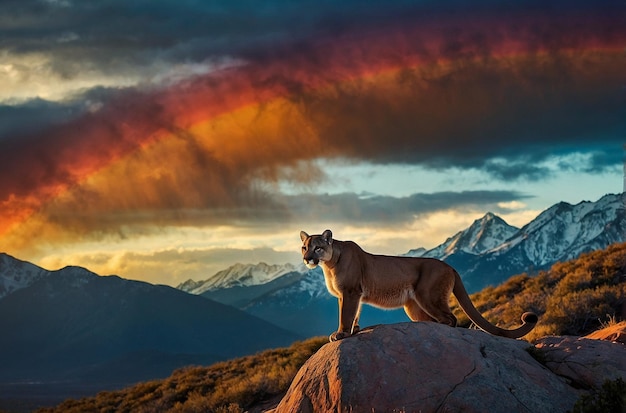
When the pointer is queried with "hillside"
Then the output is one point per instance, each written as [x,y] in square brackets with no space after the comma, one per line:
[573,298]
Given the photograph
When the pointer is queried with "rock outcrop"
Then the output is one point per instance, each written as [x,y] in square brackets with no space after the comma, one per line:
[584,362]
[429,367]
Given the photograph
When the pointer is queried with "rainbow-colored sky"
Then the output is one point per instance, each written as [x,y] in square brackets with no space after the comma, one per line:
[167,140]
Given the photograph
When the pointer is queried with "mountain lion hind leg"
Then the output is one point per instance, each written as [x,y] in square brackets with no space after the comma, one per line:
[432,294]
[438,309]
[415,312]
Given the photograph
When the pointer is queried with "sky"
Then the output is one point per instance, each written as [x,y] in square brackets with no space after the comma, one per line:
[167,140]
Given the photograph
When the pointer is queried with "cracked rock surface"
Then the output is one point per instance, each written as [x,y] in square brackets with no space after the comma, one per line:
[585,363]
[429,367]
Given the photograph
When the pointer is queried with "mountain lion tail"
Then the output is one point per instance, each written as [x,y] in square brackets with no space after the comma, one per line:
[529,320]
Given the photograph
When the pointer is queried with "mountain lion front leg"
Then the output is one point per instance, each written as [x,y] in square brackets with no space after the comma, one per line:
[355,323]
[349,304]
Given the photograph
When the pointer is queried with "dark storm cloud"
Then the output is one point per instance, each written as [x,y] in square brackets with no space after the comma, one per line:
[121,35]
[480,112]
[600,160]
[377,209]
[118,35]
[142,39]
[31,117]
[517,169]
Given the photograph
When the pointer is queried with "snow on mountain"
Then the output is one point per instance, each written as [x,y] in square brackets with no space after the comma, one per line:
[296,295]
[560,233]
[483,235]
[417,252]
[16,274]
[312,286]
[239,275]
[189,285]
[564,231]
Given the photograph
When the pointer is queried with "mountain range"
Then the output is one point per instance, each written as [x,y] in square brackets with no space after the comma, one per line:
[490,251]
[486,253]
[75,326]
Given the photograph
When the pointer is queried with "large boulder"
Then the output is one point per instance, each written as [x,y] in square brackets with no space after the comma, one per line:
[429,367]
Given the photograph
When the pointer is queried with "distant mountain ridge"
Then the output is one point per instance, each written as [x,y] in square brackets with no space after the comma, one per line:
[16,274]
[560,233]
[238,275]
[75,326]
[564,231]
[483,235]
[488,252]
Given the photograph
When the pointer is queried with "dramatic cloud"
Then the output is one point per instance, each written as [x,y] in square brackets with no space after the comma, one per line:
[160,115]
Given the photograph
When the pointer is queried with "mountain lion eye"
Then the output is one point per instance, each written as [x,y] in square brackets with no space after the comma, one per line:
[318,249]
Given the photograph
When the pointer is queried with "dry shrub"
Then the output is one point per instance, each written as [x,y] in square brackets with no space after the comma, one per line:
[573,297]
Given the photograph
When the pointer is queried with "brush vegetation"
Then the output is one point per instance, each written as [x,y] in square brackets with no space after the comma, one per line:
[572,298]
[227,387]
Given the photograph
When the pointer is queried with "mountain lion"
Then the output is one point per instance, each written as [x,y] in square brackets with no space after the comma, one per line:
[421,285]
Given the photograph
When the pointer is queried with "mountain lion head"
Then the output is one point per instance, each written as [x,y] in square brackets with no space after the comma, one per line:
[316,248]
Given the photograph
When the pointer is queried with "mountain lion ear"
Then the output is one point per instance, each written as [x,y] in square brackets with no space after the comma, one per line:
[303,236]
[328,236]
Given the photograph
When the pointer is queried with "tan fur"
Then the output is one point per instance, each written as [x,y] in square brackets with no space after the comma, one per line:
[421,285]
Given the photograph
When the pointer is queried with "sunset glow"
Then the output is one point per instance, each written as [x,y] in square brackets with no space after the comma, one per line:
[192,172]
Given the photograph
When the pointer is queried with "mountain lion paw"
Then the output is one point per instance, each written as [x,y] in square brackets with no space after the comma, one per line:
[338,335]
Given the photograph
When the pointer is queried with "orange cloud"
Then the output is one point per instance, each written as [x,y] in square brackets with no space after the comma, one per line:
[209,149]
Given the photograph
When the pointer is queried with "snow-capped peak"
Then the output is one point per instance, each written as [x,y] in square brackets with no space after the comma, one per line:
[16,274]
[417,252]
[189,285]
[238,275]
[484,234]
[563,231]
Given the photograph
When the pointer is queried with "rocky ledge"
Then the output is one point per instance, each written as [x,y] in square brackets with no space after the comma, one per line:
[429,367]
